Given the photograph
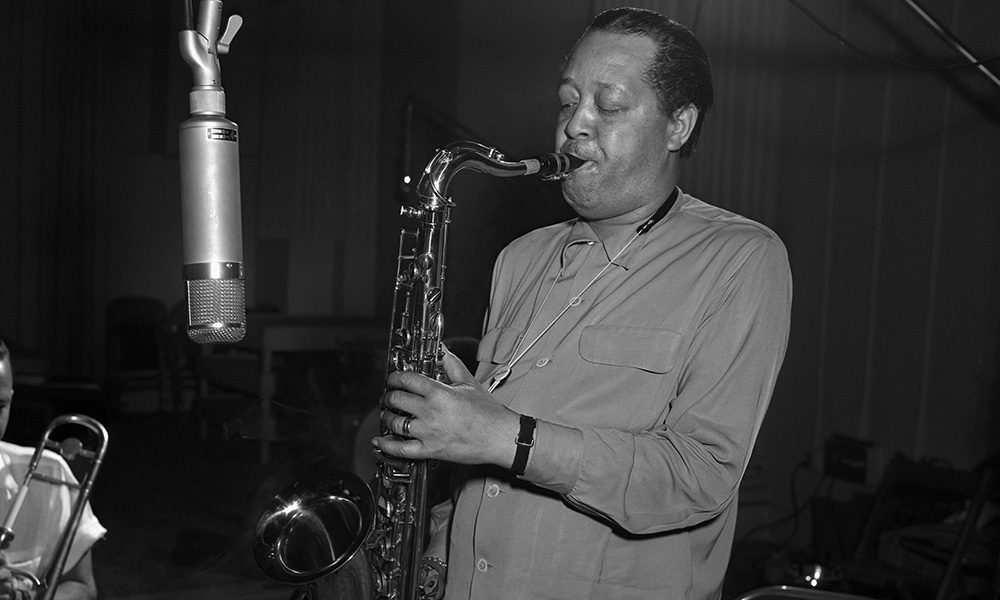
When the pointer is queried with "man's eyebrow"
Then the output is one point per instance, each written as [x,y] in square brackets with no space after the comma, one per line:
[604,86]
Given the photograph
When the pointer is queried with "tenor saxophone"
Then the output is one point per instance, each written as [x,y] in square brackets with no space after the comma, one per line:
[387,521]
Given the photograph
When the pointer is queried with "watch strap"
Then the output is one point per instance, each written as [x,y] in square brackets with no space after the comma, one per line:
[525,441]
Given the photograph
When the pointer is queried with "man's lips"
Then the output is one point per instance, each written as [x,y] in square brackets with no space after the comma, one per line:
[577,152]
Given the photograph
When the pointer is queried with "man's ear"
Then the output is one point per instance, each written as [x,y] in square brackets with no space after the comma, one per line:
[681,125]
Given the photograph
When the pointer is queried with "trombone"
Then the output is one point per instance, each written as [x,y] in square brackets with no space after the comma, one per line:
[69,449]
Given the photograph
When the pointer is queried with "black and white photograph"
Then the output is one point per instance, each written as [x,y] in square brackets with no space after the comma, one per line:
[500,300]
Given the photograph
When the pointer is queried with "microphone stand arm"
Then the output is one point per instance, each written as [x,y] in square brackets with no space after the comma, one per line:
[951,40]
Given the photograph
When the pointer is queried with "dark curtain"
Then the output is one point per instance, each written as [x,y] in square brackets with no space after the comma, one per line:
[50,150]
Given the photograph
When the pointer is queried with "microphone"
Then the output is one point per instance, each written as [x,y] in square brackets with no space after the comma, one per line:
[211,220]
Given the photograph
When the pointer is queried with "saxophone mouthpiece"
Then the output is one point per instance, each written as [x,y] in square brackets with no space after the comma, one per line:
[554,166]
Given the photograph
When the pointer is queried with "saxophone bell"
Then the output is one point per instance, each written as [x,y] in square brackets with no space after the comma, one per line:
[313,527]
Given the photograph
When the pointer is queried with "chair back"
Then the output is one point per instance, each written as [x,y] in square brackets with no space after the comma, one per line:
[136,328]
[930,508]
[136,332]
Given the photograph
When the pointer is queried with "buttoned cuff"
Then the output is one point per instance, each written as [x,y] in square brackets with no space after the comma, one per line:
[554,462]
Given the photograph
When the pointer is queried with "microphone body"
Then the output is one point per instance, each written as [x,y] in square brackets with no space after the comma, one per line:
[211,219]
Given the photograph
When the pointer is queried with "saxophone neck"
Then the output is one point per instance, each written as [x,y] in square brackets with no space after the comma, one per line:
[432,189]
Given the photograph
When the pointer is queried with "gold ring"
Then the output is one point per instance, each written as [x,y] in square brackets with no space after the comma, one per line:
[406,426]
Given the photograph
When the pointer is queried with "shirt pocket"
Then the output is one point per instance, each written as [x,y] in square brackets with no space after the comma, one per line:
[497,345]
[645,348]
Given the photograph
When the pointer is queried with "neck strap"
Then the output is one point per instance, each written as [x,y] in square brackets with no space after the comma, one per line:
[659,214]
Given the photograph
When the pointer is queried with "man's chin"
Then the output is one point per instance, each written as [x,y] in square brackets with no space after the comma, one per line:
[579,195]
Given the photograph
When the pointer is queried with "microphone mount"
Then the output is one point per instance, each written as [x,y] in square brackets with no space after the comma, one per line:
[201,49]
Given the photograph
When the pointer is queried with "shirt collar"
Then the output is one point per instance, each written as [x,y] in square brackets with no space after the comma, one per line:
[581,233]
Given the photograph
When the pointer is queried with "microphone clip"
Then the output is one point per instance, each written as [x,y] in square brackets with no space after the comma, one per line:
[200,49]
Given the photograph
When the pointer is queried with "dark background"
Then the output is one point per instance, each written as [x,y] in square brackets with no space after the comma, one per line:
[881,179]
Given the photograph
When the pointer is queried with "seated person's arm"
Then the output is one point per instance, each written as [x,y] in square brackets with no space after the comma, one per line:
[78,583]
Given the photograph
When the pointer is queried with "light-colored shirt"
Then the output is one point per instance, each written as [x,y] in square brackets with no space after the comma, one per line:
[45,512]
[649,393]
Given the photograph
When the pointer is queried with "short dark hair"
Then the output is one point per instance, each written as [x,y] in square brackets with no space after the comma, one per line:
[679,74]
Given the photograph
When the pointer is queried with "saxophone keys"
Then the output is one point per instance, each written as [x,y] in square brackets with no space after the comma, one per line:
[411,212]
[386,509]
[424,262]
[403,337]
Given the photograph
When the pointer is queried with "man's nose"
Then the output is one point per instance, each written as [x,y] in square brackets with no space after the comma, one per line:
[581,123]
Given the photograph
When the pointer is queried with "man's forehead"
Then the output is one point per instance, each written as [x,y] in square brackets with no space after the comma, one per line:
[609,59]
[611,43]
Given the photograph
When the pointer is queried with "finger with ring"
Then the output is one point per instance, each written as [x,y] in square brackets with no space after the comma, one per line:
[406,426]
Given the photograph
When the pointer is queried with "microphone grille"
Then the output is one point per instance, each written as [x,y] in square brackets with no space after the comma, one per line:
[216,310]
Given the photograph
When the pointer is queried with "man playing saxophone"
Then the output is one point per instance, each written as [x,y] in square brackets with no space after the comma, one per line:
[43,516]
[627,360]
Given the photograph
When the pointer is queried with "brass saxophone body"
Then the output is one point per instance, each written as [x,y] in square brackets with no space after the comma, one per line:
[388,520]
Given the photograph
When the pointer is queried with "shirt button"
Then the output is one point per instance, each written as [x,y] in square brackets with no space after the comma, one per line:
[493,491]
[482,565]
[541,362]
